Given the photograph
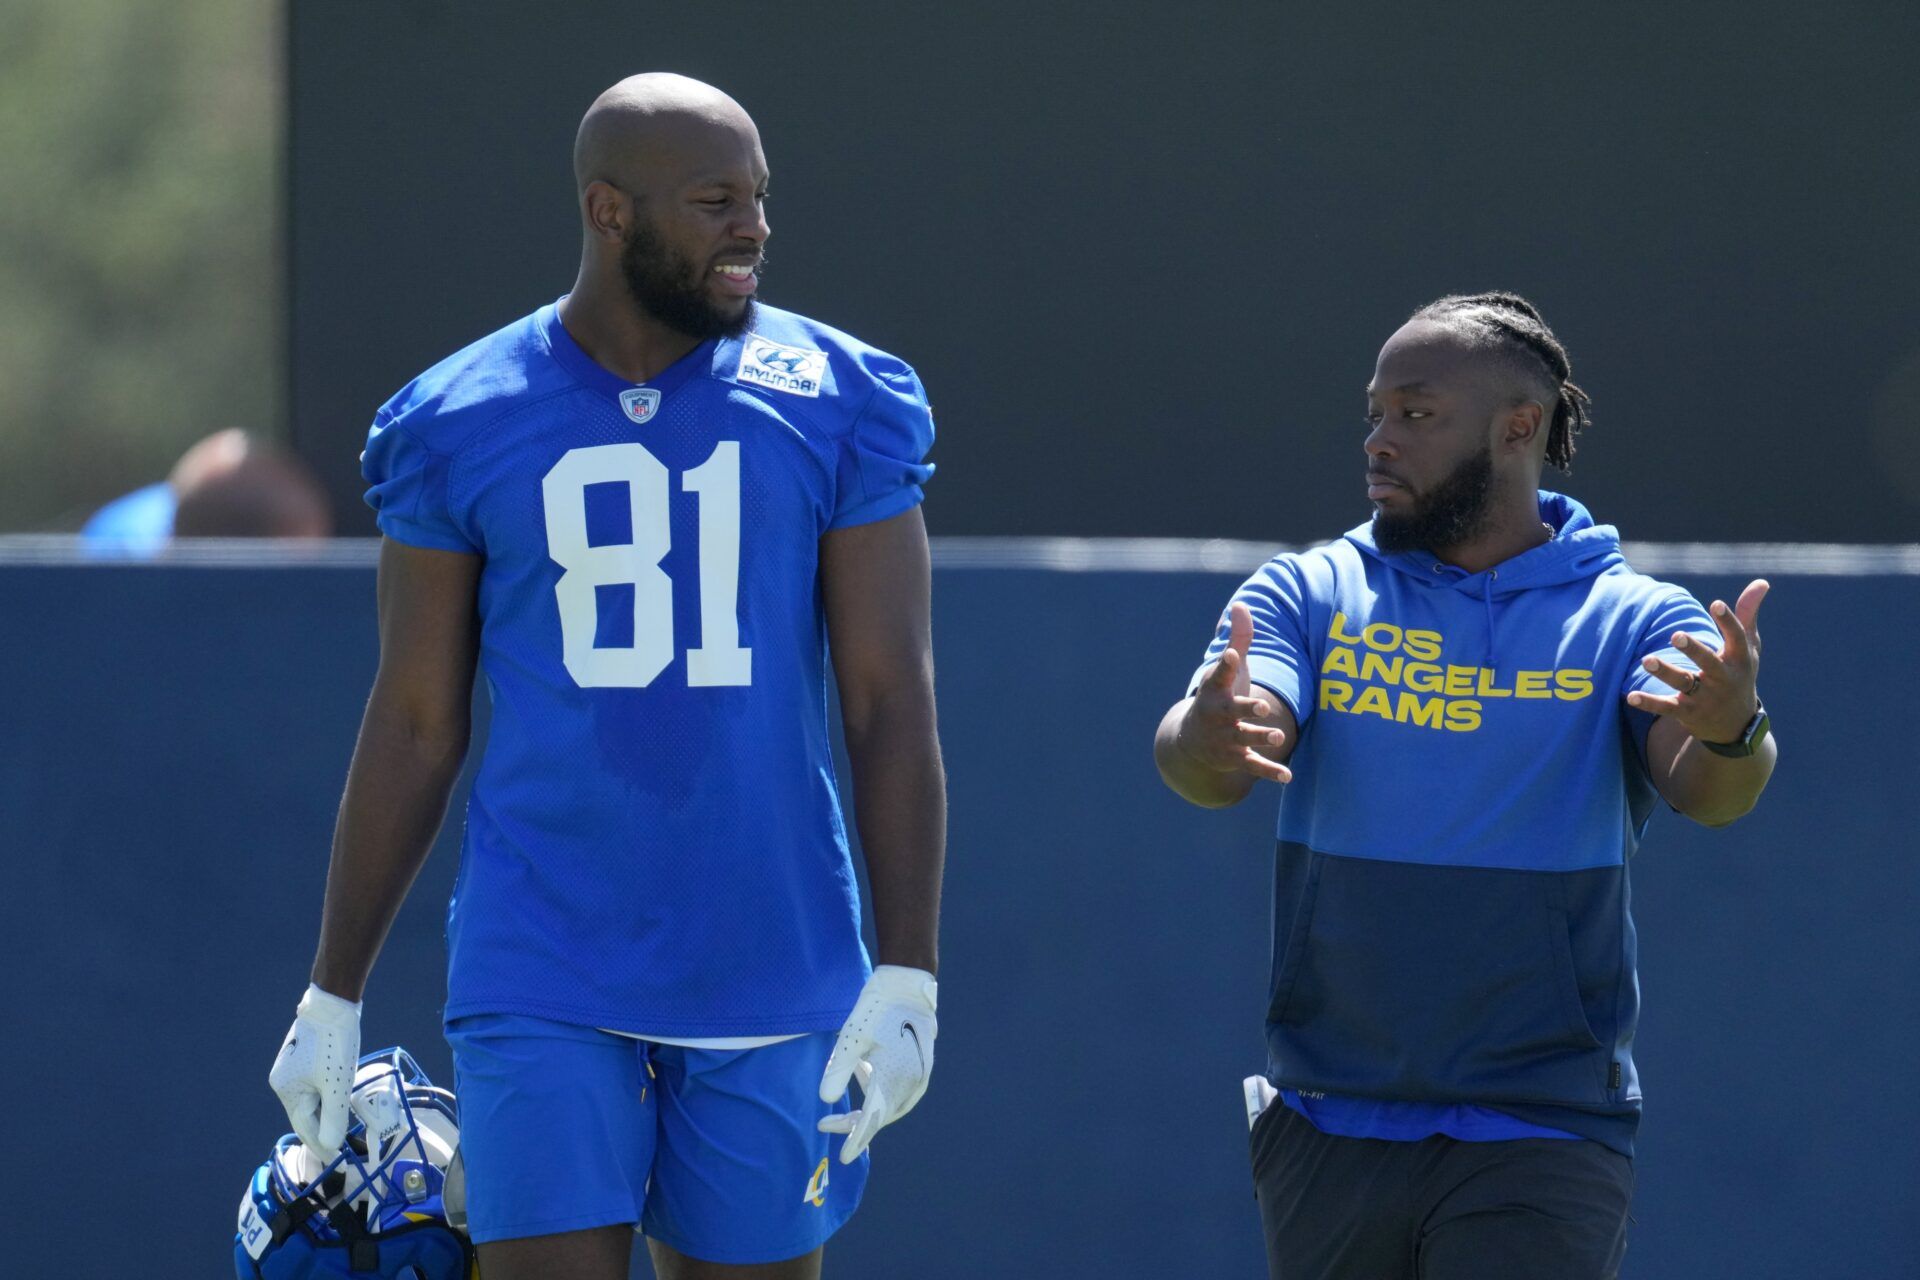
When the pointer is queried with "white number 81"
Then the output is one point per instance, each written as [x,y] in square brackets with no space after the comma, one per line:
[719,659]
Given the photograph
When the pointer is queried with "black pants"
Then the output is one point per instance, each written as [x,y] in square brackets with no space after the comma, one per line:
[1363,1209]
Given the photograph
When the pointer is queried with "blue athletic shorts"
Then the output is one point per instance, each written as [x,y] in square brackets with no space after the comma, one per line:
[713,1152]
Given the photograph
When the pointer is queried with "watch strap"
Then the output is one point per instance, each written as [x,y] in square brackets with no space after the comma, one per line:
[1749,740]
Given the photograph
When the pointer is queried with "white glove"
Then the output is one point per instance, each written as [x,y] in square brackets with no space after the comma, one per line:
[314,1073]
[888,1042]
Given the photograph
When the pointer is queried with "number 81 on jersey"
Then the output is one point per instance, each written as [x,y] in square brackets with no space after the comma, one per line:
[719,659]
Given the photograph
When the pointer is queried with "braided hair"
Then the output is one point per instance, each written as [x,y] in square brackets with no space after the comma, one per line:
[1512,322]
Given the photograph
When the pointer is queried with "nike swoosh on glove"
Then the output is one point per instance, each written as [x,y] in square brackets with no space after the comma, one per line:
[887,1043]
[314,1073]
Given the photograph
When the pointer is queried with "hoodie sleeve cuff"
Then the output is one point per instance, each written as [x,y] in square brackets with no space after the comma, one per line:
[1271,674]
[1284,682]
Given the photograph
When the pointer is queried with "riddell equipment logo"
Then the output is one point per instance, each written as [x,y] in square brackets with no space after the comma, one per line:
[776,366]
[816,1192]
[253,1233]
[641,403]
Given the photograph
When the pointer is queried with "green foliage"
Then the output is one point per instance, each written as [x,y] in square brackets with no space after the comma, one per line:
[139,271]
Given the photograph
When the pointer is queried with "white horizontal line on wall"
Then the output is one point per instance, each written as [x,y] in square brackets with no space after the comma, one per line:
[1058,555]
[219,553]
[1221,555]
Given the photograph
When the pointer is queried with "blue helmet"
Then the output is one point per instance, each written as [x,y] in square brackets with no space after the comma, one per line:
[378,1209]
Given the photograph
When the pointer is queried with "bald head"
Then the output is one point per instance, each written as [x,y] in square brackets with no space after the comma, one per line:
[673,191]
[232,486]
[653,126]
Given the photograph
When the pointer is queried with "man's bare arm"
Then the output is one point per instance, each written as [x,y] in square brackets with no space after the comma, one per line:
[413,740]
[877,585]
[1712,790]
[1714,705]
[1213,746]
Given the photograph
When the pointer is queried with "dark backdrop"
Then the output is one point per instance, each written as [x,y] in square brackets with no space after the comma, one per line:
[1139,250]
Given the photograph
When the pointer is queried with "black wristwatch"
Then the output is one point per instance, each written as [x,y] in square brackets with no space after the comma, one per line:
[1749,740]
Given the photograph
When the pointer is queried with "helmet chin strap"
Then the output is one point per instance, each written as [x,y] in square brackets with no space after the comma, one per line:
[363,1251]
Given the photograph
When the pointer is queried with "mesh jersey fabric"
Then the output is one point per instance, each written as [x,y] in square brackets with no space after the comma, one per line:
[654,841]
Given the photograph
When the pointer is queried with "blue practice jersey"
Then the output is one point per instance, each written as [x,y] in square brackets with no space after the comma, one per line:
[654,842]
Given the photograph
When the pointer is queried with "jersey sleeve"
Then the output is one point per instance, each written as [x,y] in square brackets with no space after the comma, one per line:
[1279,659]
[881,469]
[1677,610]
[407,489]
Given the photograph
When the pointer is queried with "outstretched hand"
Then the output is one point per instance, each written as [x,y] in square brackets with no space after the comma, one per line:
[1221,730]
[1716,703]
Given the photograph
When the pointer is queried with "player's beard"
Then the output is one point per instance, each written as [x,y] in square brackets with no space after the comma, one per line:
[1448,514]
[673,291]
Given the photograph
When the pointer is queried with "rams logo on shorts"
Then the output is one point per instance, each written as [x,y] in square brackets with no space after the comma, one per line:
[816,1193]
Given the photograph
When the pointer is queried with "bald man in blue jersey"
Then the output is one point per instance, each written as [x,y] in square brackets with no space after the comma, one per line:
[648,513]
[1474,703]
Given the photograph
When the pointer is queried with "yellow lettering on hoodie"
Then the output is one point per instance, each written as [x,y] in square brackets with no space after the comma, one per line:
[1388,637]
[1335,694]
[1424,645]
[1574,685]
[1489,686]
[1423,677]
[1373,701]
[1463,717]
[1413,709]
[1375,667]
[1340,662]
[1337,632]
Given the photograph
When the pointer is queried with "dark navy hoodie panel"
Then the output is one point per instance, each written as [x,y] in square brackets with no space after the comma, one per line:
[1451,898]
[1494,987]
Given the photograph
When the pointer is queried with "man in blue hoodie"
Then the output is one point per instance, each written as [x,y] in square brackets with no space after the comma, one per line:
[1474,703]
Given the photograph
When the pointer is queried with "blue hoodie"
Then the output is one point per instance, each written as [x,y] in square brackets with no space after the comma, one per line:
[1452,947]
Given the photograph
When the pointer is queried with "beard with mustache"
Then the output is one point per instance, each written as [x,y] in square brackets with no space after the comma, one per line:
[668,287]
[1450,513]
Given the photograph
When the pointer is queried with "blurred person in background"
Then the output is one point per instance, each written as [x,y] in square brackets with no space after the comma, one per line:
[228,485]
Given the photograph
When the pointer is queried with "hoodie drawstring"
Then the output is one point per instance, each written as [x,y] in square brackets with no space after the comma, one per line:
[1486,596]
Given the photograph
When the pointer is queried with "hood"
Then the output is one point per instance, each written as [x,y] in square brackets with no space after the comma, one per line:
[1579,549]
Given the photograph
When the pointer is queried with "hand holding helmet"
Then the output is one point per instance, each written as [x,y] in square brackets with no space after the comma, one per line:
[379,1205]
[314,1073]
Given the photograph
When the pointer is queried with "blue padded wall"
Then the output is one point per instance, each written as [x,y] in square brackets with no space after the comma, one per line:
[172,745]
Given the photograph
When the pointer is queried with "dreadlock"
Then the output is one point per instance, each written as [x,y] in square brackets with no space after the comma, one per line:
[1515,323]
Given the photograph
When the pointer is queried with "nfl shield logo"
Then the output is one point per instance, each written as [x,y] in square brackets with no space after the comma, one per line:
[641,403]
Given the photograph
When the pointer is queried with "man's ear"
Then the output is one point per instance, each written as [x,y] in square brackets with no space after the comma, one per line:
[1522,425]
[607,209]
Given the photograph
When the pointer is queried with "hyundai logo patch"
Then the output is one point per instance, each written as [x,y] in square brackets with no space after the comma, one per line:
[779,367]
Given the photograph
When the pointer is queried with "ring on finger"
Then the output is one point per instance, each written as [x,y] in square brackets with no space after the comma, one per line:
[1693,682]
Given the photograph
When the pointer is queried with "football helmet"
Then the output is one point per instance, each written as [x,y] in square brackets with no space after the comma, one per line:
[377,1209]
